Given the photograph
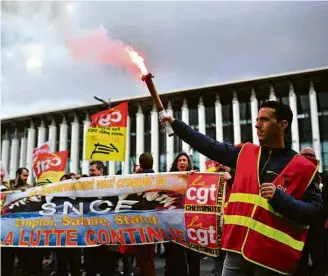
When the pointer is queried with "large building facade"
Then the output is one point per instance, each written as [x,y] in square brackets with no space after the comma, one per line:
[227,112]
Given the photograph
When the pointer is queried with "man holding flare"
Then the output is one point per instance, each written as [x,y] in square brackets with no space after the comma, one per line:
[273,198]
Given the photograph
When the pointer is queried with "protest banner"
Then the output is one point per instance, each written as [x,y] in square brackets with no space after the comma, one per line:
[123,209]
[49,167]
[105,138]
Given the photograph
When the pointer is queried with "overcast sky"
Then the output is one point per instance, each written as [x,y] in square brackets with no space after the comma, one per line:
[185,44]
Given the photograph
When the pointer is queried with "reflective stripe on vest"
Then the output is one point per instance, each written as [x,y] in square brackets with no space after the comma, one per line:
[252,227]
[260,201]
[265,230]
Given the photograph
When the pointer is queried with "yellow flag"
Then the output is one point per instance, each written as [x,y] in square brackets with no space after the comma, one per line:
[106,136]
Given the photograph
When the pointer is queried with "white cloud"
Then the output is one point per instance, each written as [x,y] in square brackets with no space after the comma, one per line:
[185,44]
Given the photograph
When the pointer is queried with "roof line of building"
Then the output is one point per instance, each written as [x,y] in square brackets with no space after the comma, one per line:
[145,96]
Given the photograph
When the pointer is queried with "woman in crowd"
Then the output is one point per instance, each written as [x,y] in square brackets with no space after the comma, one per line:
[176,256]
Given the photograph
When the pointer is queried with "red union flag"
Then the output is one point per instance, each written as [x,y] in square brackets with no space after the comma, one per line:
[45,147]
[202,189]
[204,201]
[113,117]
[105,138]
[50,167]
[201,231]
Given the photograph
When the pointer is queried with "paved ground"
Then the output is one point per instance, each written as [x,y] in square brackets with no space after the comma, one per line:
[206,267]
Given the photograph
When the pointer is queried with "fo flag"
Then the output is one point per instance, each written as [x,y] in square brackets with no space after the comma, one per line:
[105,138]
[49,167]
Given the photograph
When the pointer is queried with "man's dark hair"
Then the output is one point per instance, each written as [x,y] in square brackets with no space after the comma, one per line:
[67,176]
[20,171]
[282,112]
[146,161]
[99,165]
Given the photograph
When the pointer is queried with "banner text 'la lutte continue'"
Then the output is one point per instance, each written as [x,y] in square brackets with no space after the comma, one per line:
[123,209]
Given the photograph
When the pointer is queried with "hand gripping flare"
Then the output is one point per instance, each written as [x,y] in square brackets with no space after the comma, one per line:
[161,111]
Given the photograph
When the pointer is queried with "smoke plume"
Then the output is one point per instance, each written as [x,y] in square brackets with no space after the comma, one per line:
[96,46]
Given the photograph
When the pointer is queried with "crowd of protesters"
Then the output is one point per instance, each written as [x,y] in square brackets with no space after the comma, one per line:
[271,160]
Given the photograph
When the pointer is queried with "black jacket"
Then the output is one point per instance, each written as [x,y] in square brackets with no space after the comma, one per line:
[15,185]
[325,194]
[272,162]
[147,171]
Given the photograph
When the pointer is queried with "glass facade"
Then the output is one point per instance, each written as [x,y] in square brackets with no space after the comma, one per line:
[133,149]
[177,140]
[162,150]
[210,121]
[147,137]
[193,122]
[227,121]
[323,126]
[304,120]
[118,168]
[284,99]
[245,122]
[261,87]
[69,134]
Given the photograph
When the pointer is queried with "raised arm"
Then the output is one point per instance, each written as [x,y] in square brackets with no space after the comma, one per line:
[223,153]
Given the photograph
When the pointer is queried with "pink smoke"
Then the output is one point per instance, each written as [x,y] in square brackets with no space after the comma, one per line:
[96,46]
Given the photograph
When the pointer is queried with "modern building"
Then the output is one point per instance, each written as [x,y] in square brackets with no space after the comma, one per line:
[226,112]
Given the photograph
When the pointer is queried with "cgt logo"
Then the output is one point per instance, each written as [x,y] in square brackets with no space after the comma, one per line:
[105,120]
[44,165]
[199,234]
[200,192]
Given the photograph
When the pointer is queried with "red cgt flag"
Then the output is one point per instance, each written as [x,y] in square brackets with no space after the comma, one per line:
[50,167]
[113,117]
